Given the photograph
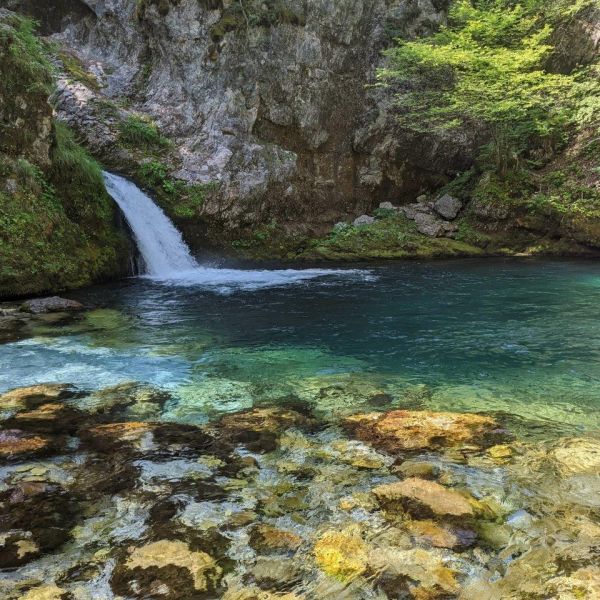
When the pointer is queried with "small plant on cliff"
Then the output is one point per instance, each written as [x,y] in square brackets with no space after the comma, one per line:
[142,133]
[488,67]
[181,199]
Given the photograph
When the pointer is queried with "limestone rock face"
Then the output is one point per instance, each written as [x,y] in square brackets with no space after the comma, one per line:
[274,107]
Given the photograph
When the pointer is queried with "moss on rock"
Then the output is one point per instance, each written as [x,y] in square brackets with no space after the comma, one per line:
[58,226]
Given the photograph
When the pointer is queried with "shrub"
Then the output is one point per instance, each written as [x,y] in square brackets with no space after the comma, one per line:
[142,133]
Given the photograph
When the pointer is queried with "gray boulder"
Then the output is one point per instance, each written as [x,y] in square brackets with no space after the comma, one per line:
[51,304]
[429,225]
[448,206]
[363,220]
[387,206]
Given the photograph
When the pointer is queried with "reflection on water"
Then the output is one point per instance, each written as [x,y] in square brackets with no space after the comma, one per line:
[211,447]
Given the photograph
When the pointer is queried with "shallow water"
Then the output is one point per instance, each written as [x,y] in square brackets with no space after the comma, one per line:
[506,335]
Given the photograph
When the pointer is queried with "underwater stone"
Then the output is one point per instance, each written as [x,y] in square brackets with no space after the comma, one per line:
[275,573]
[415,573]
[422,499]
[419,430]
[259,429]
[35,395]
[51,304]
[342,554]
[579,455]
[16,444]
[266,539]
[169,566]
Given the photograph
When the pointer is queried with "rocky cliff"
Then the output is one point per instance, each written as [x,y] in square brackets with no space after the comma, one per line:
[258,125]
[268,100]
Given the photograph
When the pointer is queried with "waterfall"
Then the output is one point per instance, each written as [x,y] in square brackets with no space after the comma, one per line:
[167,258]
[160,244]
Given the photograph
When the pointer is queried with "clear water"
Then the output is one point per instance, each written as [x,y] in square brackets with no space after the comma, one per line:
[515,336]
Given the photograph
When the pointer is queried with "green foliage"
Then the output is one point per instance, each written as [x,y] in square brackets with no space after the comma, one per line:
[488,67]
[178,197]
[57,228]
[26,54]
[141,132]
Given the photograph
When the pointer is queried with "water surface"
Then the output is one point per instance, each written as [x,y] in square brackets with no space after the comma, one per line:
[517,336]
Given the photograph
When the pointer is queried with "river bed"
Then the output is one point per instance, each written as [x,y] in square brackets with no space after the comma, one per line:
[419,430]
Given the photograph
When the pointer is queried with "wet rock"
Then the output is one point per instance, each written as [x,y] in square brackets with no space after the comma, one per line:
[33,396]
[51,304]
[126,401]
[447,206]
[48,418]
[45,592]
[359,500]
[403,430]
[17,548]
[342,554]
[363,220]
[500,452]
[260,428]
[152,439]
[117,437]
[423,499]
[254,593]
[275,573]
[433,534]
[17,445]
[417,468]
[166,569]
[418,573]
[266,539]
[36,518]
[575,456]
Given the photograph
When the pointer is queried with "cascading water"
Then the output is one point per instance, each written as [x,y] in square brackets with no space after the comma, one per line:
[167,258]
[160,244]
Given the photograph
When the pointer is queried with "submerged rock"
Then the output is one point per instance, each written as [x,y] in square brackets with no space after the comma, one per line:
[266,539]
[423,499]
[416,573]
[51,304]
[259,429]
[402,430]
[275,573]
[166,569]
[430,533]
[342,554]
[35,395]
[576,456]
[16,444]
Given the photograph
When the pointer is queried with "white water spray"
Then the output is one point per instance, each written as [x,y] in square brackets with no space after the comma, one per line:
[168,259]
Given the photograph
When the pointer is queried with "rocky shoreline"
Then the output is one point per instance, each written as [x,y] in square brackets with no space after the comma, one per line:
[101,499]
